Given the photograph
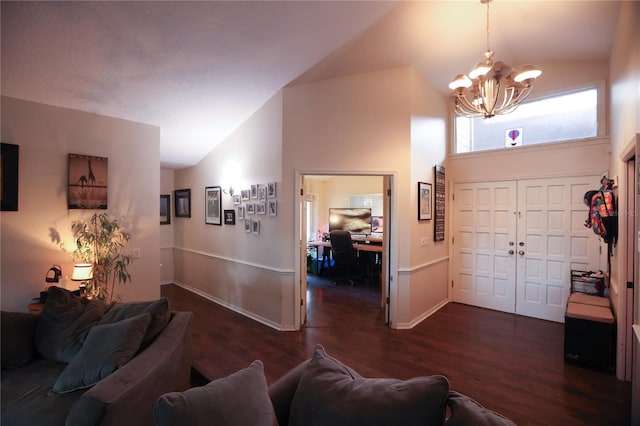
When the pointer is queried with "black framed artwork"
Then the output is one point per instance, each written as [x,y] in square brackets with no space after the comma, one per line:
[424,201]
[229,217]
[439,200]
[88,178]
[213,205]
[165,209]
[9,156]
[182,201]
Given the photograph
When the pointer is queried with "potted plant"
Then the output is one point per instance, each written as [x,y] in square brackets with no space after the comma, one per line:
[100,241]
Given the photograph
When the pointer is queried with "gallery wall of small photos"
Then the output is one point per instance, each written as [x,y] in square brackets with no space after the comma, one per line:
[254,203]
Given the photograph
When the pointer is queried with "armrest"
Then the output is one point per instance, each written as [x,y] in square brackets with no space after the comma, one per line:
[18,331]
[164,366]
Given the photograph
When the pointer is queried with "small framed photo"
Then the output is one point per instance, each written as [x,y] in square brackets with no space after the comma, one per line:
[262,193]
[88,178]
[255,227]
[236,199]
[240,212]
[165,209]
[250,208]
[9,156]
[245,194]
[213,205]
[424,201]
[271,190]
[229,217]
[247,226]
[254,191]
[261,208]
[273,208]
[182,201]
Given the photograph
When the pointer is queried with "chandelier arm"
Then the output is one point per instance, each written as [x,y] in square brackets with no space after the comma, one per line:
[465,107]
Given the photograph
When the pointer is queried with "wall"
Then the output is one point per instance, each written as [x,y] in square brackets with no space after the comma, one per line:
[362,124]
[251,274]
[625,128]
[166,231]
[29,237]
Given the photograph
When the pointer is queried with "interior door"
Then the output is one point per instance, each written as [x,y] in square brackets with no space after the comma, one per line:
[303,253]
[484,244]
[552,240]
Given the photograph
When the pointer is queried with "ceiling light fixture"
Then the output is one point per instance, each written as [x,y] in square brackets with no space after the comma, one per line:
[492,87]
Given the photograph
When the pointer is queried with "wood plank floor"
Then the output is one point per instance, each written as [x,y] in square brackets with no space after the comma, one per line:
[510,364]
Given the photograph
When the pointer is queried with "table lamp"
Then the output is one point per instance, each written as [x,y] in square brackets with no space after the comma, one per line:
[82,272]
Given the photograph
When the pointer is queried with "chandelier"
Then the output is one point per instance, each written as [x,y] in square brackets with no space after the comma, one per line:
[492,87]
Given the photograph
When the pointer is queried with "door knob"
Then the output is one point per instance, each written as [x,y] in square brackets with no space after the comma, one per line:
[521,243]
[511,251]
[521,252]
[511,243]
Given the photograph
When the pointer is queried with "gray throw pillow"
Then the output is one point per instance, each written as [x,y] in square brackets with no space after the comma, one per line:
[107,348]
[64,324]
[237,400]
[328,394]
[158,309]
[466,411]
[18,338]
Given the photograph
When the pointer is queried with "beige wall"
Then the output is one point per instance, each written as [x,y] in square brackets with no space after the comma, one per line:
[166,231]
[46,135]
[625,134]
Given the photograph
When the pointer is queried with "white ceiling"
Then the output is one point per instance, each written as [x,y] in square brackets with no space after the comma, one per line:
[198,70]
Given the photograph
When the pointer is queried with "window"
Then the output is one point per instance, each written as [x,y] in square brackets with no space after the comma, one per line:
[568,116]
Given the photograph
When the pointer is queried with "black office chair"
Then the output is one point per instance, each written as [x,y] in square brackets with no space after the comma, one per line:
[344,255]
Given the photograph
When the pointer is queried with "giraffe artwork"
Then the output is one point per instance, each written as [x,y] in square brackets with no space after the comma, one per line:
[88,177]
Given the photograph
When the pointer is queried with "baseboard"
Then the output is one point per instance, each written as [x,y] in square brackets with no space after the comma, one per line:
[425,315]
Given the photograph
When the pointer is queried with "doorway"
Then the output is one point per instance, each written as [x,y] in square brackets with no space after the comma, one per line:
[516,242]
[318,194]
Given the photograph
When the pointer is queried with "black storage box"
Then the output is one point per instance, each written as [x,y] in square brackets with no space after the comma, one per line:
[590,337]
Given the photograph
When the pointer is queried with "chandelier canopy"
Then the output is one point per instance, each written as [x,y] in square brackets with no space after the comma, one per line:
[492,87]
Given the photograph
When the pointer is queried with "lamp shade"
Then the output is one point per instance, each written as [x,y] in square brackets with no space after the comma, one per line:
[82,272]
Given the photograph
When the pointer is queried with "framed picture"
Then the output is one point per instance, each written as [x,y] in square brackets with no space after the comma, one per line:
[424,201]
[271,190]
[255,227]
[213,205]
[273,208]
[261,208]
[165,209]
[251,208]
[240,212]
[88,177]
[262,193]
[182,202]
[9,177]
[247,226]
[245,194]
[236,199]
[254,191]
[229,217]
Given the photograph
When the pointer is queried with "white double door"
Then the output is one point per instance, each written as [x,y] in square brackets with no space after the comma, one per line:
[515,243]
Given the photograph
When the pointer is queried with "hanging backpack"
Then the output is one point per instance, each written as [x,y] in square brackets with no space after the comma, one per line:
[603,216]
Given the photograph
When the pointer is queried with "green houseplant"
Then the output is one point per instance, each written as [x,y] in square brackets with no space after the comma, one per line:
[100,240]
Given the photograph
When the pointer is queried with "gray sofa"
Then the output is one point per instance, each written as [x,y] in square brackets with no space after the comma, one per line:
[86,363]
[318,392]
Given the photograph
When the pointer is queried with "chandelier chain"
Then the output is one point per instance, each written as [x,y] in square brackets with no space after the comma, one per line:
[488,47]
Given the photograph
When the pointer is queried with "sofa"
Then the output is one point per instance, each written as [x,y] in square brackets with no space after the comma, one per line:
[83,362]
[322,391]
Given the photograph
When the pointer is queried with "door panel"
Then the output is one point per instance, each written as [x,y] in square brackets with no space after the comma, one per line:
[552,240]
[515,243]
[485,224]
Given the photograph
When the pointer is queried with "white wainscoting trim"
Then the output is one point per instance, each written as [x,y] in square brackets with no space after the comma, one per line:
[237,261]
[423,266]
[234,308]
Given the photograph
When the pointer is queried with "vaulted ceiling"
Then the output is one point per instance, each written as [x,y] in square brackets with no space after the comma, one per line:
[198,70]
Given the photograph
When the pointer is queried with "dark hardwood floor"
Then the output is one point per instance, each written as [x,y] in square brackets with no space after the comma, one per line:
[510,364]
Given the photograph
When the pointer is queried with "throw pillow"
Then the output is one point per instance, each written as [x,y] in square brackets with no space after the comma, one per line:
[64,324]
[328,394]
[107,348]
[237,400]
[159,310]
[466,411]
[18,335]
